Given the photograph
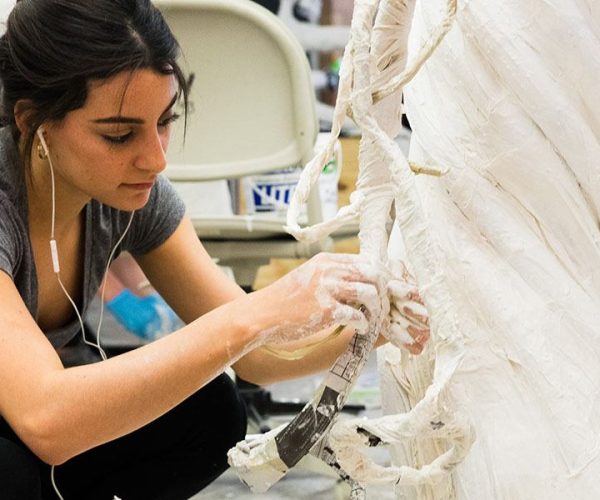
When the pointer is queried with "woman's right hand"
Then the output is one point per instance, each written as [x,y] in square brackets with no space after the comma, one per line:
[327,291]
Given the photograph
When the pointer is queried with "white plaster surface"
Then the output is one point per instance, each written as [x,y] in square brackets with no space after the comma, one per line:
[505,247]
[508,103]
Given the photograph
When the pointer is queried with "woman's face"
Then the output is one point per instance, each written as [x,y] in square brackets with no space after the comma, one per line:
[113,147]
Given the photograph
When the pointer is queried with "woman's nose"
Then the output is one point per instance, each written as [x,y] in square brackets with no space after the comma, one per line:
[152,156]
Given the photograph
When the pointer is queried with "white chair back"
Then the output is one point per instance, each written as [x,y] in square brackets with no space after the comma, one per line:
[252,102]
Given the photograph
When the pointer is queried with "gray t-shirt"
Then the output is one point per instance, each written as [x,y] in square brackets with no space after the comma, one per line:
[104,225]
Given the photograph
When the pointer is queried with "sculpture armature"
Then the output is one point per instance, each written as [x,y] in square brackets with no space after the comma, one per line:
[505,246]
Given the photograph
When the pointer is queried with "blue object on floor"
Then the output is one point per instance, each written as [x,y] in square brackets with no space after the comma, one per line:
[147,317]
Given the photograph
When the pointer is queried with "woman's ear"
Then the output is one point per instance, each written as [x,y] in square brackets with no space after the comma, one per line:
[22,111]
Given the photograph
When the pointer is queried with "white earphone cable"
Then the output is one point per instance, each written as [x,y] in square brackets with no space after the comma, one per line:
[108,262]
[56,268]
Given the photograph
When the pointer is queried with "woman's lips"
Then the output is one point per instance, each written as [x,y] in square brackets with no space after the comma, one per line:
[141,186]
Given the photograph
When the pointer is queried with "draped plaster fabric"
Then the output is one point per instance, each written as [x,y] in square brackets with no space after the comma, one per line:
[505,402]
[509,105]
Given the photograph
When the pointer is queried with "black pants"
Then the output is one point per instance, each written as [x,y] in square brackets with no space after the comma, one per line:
[173,457]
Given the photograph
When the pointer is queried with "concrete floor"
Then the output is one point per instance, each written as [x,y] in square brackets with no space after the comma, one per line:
[297,485]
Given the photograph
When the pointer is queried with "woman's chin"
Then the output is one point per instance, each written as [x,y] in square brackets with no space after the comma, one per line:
[129,203]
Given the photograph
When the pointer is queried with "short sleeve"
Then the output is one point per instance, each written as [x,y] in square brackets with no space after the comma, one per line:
[9,238]
[153,224]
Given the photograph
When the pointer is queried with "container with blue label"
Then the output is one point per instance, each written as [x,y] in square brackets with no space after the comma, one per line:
[271,193]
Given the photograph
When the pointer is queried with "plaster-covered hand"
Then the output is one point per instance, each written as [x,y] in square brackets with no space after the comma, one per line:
[327,291]
[409,320]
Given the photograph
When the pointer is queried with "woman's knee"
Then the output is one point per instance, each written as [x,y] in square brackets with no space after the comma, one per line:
[224,409]
[19,472]
[219,422]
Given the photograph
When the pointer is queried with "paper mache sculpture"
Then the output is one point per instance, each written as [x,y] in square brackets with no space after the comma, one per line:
[502,237]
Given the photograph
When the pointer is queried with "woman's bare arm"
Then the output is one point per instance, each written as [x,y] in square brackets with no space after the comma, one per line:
[197,285]
[60,412]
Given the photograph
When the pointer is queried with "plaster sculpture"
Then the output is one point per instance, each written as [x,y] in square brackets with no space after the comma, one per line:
[507,104]
[505,247]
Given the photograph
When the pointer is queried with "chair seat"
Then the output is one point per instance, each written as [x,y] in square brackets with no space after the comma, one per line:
[253,227]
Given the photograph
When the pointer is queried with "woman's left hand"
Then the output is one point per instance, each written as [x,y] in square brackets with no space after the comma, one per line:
[409,320]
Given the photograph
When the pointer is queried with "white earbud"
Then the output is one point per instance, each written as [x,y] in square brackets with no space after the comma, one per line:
[40,134]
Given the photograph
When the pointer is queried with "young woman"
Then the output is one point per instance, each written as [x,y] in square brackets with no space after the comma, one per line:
[90,89]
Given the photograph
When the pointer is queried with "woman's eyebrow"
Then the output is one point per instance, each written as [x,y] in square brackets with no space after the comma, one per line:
[132,120]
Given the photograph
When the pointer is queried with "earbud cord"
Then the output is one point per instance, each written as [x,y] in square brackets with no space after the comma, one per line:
[108,262]
[56,268]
